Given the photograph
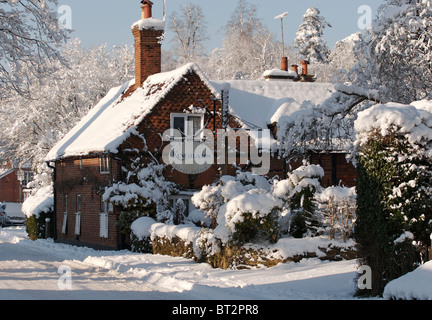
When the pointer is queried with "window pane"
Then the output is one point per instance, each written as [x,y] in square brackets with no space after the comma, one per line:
[179,124]
[194,125]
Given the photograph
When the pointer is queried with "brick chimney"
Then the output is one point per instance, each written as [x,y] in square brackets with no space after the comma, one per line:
[147,33]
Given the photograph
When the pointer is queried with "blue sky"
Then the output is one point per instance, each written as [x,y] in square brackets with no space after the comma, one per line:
[108,21]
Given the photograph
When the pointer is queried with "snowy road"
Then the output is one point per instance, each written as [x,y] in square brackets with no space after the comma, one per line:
[31,270]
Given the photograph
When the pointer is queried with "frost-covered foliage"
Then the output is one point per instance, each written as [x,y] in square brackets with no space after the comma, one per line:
[394,188]
[190,29]
[29,35]
[297,193]
[325,127]
[338,206]
[242,209]
[144,193]
[248,49]
[212,197]
[32,125]
[253,217]
[340,61]
[396,56]
[41,199]
[309,38]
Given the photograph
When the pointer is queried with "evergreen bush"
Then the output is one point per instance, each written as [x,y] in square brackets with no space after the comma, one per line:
[393,196]
[36,226]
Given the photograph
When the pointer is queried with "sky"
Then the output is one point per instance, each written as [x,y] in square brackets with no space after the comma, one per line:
[108,22]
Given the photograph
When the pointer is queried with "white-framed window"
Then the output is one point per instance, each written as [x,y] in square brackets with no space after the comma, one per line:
[27,177]
[105,164]
[103,224]
[104,219]
[190,126]
[65,215]
[78,215]
[186,203]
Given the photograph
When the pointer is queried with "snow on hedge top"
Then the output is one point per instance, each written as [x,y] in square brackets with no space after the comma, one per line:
[414,121]
[113,120]
[41,202]
[260,103]
[149,23]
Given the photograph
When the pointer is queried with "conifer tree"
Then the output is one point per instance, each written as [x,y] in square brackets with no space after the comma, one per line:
[309,40]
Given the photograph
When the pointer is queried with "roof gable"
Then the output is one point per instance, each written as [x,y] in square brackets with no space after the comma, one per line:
[113,119]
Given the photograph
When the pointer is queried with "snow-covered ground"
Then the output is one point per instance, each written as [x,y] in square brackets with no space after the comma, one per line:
[44,270]
[47,270]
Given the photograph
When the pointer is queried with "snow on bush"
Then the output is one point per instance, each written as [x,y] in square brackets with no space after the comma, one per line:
[146,227]
[413,121]
[415,285]
[212,197]
[40,202]
[253,216]
[297,193]
[394,186]
[145,192]
[41,199]
[338,205]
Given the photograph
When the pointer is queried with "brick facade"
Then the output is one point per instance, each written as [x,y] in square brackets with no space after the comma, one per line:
[82,176]
[10,188]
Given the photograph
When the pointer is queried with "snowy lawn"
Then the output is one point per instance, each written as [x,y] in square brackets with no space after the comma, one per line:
[29,270]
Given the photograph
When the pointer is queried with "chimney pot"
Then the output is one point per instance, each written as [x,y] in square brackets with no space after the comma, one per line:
[284,64]
[304,64]
[146,9]
[295,68]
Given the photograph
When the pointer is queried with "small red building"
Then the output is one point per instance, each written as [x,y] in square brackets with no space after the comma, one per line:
[13,183]
[132,119]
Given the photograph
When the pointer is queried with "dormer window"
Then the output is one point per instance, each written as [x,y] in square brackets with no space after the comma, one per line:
[189,126]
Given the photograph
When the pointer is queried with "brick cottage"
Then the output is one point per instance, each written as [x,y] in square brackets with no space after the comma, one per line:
[132,119]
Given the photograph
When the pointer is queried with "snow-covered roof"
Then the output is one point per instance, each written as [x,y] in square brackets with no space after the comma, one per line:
[255,104]
[5,172]
[113,120]
[149,23]
[260,103]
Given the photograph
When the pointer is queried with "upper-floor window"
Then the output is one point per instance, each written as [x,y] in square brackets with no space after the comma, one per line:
[187,126]
[105,164]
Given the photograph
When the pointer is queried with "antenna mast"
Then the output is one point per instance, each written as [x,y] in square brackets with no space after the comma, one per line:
[281,17]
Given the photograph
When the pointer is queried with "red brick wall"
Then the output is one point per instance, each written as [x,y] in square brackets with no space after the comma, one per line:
[337,170]
[87,181]
[10,188]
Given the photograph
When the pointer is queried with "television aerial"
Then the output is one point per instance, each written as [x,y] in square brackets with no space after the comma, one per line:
[281,17]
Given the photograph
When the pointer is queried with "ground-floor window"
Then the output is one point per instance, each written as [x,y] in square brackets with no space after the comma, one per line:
[78,215]
[103,224]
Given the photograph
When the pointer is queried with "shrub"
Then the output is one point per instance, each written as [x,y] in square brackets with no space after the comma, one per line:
[297,192]
[393,197]
[36,226]
[253,217]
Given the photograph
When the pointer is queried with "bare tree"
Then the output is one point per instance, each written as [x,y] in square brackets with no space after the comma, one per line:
[29,34]
[248,48]
[191,32]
